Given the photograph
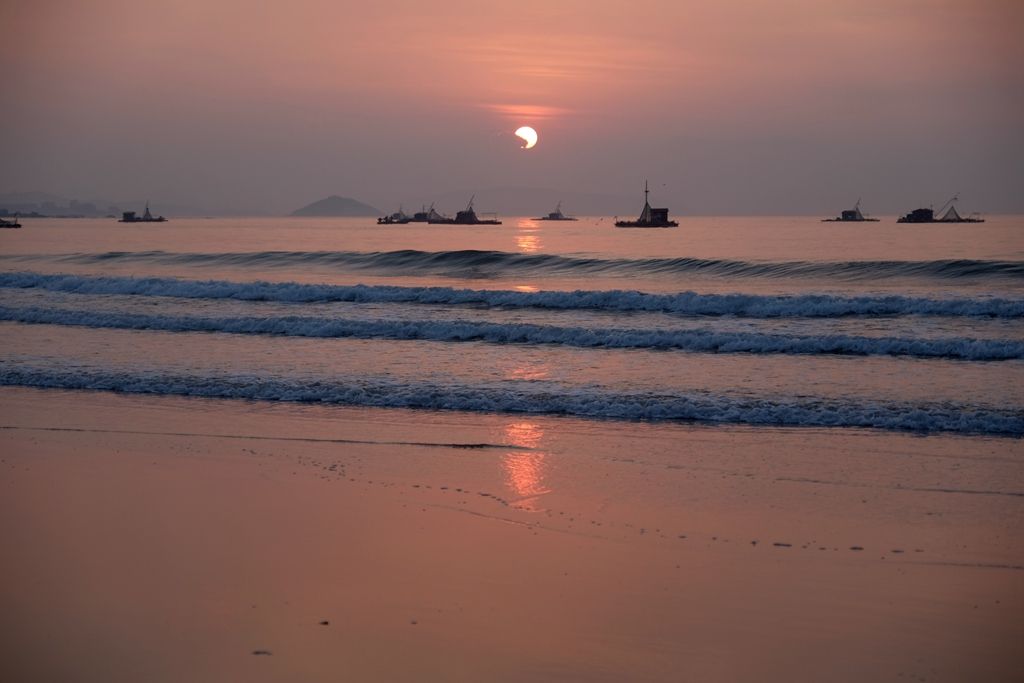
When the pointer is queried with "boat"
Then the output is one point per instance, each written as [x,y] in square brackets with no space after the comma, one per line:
[853,215]
[397,218]
[147,217]
[10,223]
[465,217]
[433,216]
[423,215]
[918,216]
[649,218]
[556,215]
[951,215]
[427,215]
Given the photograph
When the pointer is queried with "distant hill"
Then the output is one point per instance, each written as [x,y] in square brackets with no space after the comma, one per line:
[337,206]
[48,204]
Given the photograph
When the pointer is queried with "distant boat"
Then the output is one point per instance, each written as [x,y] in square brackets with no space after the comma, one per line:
[423,215]
[428,215]
[851,216]
[556,215]
[465,217]
[951,215]
[130,217]
[399,217]
[649,218]
[10,224]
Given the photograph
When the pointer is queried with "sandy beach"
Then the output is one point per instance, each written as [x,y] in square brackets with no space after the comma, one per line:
[173,539]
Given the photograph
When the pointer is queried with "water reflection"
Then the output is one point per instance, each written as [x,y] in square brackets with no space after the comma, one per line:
[528,369]
[524,470]
[528,244]
[528,237]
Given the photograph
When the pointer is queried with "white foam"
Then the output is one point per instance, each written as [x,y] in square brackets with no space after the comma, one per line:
[682,303]
[694,340]
[522,398]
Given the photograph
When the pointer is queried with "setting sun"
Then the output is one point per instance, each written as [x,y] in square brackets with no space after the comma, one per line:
[529,136]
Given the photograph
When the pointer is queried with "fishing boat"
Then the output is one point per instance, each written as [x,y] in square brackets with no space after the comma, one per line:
[853,215]
[147,217]
[423,215]
[399,217]
[951,215]
[556,215]
[465,217]
[649,218]
[11,223]
[428,215]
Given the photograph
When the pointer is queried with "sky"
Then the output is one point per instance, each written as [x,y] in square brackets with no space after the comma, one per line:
[728,107]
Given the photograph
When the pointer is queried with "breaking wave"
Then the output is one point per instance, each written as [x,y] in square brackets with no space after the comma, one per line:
[699,340]
[519,398]
[478,263]
[683,303]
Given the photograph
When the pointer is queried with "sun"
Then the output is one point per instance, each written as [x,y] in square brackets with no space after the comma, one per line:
[529,136]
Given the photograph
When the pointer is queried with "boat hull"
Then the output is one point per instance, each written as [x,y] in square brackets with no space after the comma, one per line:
[904,219]
[452,221]
[639,224]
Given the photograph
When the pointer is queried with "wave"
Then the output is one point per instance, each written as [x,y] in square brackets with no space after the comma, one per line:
[683,303]
[477,263]
[699,340]
[584,402]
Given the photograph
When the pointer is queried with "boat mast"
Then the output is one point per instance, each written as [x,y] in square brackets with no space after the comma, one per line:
[952,200]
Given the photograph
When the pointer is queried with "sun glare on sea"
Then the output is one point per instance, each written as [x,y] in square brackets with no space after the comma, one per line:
[529,136]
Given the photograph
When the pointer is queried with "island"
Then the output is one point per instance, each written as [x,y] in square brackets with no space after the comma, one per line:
[337,206]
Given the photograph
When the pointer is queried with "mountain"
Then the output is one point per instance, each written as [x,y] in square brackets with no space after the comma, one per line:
[48,204]
[337,206]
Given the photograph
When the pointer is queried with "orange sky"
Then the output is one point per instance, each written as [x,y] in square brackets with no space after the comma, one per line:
[278,103]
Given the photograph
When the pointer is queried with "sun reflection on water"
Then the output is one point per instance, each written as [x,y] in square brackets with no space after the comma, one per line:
[528,371]
[528,244]
[524,470]
[528,237]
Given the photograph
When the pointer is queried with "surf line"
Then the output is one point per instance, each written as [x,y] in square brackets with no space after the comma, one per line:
[898,487]
[419,444]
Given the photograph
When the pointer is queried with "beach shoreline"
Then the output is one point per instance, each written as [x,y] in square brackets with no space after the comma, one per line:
[162,538]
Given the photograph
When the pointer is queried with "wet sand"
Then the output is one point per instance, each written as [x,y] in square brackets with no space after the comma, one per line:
[168,539]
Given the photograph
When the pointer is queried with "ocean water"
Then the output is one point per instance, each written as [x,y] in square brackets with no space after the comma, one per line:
[782,322]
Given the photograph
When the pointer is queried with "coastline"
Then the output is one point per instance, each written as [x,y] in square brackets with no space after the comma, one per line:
[162,538]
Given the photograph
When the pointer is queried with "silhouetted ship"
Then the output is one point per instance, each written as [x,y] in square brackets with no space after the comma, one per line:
[399,217]
[426,215]
[649,218]
[11,223]
[851,216]
[556,215]
[422,216]
[465,217]
[951,215]
[147,217]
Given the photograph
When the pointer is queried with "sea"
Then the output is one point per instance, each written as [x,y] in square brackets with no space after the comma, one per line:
[780,322]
